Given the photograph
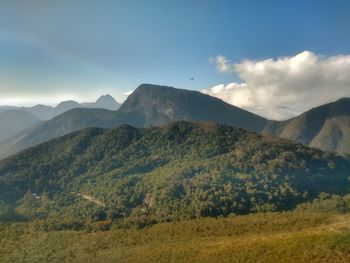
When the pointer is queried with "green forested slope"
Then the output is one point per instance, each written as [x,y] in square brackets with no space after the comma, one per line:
[178,170]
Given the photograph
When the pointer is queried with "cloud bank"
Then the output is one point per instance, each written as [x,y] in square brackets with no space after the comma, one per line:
[284,87]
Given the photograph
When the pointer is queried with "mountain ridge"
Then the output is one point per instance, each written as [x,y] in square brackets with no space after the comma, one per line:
[44,112]
[326,127]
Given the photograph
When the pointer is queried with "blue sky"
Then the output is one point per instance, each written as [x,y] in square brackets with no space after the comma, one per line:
[54,50]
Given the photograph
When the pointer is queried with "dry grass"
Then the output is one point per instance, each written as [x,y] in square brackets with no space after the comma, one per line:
[273,237]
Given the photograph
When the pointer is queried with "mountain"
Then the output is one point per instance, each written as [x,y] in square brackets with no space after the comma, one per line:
[6,107]
[70,121]
[44,112]
[178,170]
[104,102]
[326,127]
[65,106]
[147,105]
[154,105]
[13,121]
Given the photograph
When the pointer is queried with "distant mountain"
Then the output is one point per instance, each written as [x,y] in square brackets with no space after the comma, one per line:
[70,121]
[104,102]
[65,106]
[155,105]
[13,121]
[326,127]
[5,108]
[147,105]
[44,112]
[177,170]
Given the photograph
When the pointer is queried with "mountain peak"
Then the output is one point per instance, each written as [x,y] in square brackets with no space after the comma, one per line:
[153,104]
[107,102]
[340,107]
[146,86]
[68,103]
[146,89]
[345,99]
[105,98]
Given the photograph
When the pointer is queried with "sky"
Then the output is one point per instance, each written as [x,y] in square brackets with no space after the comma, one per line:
[274,58]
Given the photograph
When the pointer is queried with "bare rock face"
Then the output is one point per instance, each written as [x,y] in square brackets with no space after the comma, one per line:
[154,105]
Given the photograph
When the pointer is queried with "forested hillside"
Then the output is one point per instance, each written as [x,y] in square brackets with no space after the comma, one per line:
[175,171]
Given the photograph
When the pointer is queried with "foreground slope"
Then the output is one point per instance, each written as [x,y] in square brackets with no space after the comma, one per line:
[272,237]
[326,127]
[178,170]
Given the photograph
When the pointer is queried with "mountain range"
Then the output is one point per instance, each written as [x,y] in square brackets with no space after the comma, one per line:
[14,120]
[148,105]
[177,170]
[326,127]
[43,112]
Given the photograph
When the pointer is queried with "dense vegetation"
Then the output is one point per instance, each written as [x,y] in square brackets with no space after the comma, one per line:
[328,203]
[177,171]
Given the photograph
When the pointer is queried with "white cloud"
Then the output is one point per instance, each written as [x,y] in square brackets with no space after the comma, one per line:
[283,87]
[222,64]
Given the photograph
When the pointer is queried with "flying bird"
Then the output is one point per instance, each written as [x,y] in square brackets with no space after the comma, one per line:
[192,78]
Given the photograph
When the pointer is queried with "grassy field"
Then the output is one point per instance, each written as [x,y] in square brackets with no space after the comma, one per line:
[270,237]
